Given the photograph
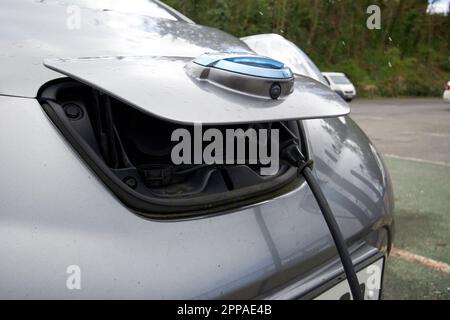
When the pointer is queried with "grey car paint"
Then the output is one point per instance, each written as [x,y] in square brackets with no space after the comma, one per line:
[54,212]
[151,80]
[28,38]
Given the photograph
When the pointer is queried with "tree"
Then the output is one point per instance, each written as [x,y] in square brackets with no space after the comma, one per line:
[408,56]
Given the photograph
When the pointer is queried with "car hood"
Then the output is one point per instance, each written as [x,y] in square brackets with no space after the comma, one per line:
[146,83]
[27,38]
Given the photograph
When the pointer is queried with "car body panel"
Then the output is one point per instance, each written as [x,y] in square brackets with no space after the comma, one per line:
[313,284]
[56,213]
[152,80]
[27,38]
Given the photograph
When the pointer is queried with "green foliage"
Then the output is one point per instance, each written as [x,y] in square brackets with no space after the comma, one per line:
[409,56]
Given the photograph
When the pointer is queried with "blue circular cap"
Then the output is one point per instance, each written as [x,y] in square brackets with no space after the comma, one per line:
[246,64]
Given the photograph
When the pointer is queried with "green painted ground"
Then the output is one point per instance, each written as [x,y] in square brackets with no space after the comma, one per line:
[422,199]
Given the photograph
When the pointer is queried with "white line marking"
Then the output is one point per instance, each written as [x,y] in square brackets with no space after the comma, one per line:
[430,263]
[418,160]
[438,135]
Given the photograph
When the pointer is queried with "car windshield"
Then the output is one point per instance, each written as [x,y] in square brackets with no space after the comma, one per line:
[141,7]
[336,79]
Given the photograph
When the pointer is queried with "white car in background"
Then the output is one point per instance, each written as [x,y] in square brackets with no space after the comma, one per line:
[341,85]
[447,92]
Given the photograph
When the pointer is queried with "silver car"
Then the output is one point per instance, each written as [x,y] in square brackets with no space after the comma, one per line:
[91,206]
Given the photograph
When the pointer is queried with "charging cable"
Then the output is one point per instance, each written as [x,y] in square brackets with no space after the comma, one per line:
[292,154]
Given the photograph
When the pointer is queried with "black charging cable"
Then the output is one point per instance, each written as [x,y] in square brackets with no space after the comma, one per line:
[292,154]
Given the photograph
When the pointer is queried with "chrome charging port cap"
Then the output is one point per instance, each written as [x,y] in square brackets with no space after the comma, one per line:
[244,73]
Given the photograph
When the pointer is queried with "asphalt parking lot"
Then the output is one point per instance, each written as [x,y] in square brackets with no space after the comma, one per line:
[414,137]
